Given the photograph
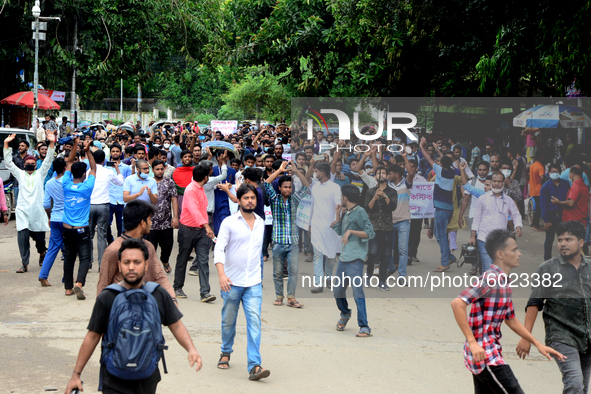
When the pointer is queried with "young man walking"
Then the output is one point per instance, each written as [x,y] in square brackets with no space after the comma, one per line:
[491,305]
[551,212]
[133,262]
[31,219]
[354,226]
[565,307]
[77,186]
[165,219]
[237,257]
[285,234]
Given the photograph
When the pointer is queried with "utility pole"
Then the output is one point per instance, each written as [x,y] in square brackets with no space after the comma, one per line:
[121,106]
[73,98]
[139,102]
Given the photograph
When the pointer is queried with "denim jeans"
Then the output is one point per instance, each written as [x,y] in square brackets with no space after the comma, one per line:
[588,234]
[252,300]
[24,246]
[442,218]
[116,210]
[99,218]
[322,268]
[575,369]
[15,193]
[56,241]
[496,379]
[282,253]
[484,257]
[190,239]
[351,270]
[401,232]
[76,243]
[416,225]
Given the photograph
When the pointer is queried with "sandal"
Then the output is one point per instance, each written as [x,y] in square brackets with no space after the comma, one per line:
[441,268]
[22,269]
[79,293]
[473,271]
[224,362]
[262,373]
[295,304]
[278,302]
[342,323]
[70,294]
[308,259]
[364,332]
[167,268]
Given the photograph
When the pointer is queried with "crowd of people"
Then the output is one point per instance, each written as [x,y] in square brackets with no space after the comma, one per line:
[346,210]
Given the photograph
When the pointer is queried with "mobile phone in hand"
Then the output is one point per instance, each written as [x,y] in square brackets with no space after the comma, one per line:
[110,164]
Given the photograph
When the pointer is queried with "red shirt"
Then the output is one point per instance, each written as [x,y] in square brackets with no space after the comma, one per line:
[579,193]
[491,305]
[194,206]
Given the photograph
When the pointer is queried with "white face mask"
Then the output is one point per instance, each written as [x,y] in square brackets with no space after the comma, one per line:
[166,146]
[507,173]
[497,191]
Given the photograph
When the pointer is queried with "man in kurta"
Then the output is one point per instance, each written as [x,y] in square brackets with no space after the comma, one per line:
[31,219]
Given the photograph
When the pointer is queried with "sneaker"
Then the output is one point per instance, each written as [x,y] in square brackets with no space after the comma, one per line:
[376,271]
[401,281]
[207,298]
[414,259]
[384,287]
[190,258]
[179,293]
[317,290]
[193,273]
[409,261]
[425,226]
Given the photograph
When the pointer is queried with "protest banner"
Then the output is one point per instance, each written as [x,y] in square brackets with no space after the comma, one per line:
[304,212]
[421,200]
[225,126]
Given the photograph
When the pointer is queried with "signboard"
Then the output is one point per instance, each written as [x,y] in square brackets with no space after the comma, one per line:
[225,126]
[304,212]
[53,94]
[421,200]
[286,156]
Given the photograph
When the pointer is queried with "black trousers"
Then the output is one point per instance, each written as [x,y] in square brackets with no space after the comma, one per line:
[378,249]
[414,237]
[77,243]
[25,247]
[496,379]
[190,239]
[164,238]
[267,239]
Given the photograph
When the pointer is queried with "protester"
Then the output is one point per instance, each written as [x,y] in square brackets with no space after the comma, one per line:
[77,187]
[551,212]
[236,256]
[194,233]
[536,173]
[354,226]
[140,186]
[565,318]
[31,219]
[116,203]
[133,263]
[165,219]
[491,305]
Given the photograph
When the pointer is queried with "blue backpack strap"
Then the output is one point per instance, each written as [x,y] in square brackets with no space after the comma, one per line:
[116,287]
[150,287]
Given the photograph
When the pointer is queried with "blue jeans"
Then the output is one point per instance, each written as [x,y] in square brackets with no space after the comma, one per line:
[282,253]
[351,270]
[484,257]
[252,299]
[15,192]
[400,235]
[442,218]
[116,210]
[56,240]
[575,369]
[322,269]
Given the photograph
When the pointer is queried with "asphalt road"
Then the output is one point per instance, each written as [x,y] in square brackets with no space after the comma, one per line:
[416,345]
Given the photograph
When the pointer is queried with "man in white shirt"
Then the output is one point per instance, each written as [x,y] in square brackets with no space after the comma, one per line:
[326,195]
[237,257]
[100,209]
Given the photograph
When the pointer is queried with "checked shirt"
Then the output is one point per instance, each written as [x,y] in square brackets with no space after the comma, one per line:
[285,230]
[491,304]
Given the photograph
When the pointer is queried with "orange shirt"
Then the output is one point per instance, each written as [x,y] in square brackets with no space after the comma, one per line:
[536,172]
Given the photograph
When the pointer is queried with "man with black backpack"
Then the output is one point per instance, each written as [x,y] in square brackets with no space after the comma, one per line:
[132,346]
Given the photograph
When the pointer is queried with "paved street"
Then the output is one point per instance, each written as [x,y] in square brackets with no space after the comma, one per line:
[416,345]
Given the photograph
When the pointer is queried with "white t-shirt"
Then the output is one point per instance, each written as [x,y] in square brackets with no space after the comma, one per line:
[474,200]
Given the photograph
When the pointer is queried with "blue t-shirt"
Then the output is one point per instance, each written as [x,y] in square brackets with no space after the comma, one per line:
[176,150]
[77,199]
[133,184]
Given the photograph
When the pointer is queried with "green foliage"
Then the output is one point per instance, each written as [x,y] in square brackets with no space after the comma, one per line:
[117,122]
[259,95]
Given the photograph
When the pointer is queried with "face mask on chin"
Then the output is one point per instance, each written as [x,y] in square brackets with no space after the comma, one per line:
[497,191]
[482,178]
